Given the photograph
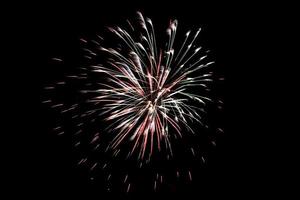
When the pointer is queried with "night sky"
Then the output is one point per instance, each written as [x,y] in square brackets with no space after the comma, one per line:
[235,166]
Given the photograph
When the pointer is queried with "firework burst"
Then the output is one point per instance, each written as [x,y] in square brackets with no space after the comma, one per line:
[148,88]
[146,93]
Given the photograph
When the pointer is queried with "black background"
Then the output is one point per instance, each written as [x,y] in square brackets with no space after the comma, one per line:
[241,165]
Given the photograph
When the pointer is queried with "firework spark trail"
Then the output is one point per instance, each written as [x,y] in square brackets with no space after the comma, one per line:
[148,87]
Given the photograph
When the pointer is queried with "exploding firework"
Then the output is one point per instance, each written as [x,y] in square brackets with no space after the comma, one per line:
[149,88]
[144,95]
